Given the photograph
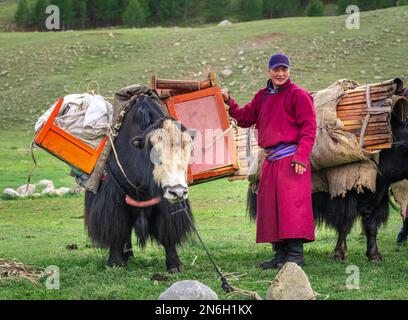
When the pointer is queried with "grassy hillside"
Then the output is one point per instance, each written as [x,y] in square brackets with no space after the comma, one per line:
[42,66]
[37,68]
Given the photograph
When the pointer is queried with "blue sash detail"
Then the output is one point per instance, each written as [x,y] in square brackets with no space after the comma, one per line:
[280,151]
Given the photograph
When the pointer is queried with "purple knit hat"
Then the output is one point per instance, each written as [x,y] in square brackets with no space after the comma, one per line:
[277,60]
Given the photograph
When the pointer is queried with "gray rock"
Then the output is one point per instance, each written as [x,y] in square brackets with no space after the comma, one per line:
[46,182]
[226,73]
[48,190]
[188,290]
[63,190]
[291,283]
[24,191]
[11,192]
[224,23]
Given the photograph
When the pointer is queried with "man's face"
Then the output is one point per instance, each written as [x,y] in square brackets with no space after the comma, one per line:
[279,75]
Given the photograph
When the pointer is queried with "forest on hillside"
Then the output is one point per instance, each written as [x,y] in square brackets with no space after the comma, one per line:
[81,14]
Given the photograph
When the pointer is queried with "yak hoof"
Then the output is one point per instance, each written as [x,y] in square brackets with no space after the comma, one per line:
[177,269]
[339,256]
[128,255]
[377,257]
[117,264]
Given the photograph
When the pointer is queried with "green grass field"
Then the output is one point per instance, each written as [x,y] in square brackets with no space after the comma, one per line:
[40,67]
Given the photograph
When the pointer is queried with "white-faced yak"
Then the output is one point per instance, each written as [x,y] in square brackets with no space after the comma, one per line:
[145,188]
[341,213]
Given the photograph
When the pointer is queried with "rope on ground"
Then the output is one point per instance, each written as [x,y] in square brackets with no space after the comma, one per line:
[12,269]
[246,293]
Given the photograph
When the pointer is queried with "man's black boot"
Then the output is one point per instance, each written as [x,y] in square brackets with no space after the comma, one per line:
[280,257]
[403,234]
[295,251]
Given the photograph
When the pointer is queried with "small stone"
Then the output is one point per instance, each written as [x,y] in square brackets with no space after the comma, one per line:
[291,283]
[11,193]
[188,290]
[63,190]
[26,191]
[48,190]
[226,73]
[224,23]
[45,182]
[241,53]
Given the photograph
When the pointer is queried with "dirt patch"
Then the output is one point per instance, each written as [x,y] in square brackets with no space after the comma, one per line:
[265,40]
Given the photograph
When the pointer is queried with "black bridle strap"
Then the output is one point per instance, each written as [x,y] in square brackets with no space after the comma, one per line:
[225,284]
[119,164]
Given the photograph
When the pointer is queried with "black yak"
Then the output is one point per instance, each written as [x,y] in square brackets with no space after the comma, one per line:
[147,194]
[341,213]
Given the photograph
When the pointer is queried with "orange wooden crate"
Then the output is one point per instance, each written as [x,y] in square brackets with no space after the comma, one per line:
[205,109]
[67,147]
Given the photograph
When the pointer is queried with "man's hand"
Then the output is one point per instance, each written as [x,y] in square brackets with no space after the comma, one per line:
[225,94]
[299,168]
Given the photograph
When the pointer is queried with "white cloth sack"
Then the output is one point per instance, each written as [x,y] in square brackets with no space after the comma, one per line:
[85,116]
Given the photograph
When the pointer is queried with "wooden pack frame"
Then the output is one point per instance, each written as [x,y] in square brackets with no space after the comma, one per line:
[166,88]
[201,110]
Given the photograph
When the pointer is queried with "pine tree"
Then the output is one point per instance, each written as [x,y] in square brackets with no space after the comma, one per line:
[216,10]
[38,14]
[23,13]
[67,12]
[134,16]
[250,9]
[146,8]
[315,8]
[106,11]
[278,8]
[185,7]
[82,14]
[169,10]
[253,9]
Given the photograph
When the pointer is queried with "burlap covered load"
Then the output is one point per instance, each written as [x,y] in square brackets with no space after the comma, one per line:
[354,121]
[353,125]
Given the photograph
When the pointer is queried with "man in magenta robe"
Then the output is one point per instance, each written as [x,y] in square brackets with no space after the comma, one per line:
[285,121]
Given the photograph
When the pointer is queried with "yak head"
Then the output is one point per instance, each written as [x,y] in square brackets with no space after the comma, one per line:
[168,146]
